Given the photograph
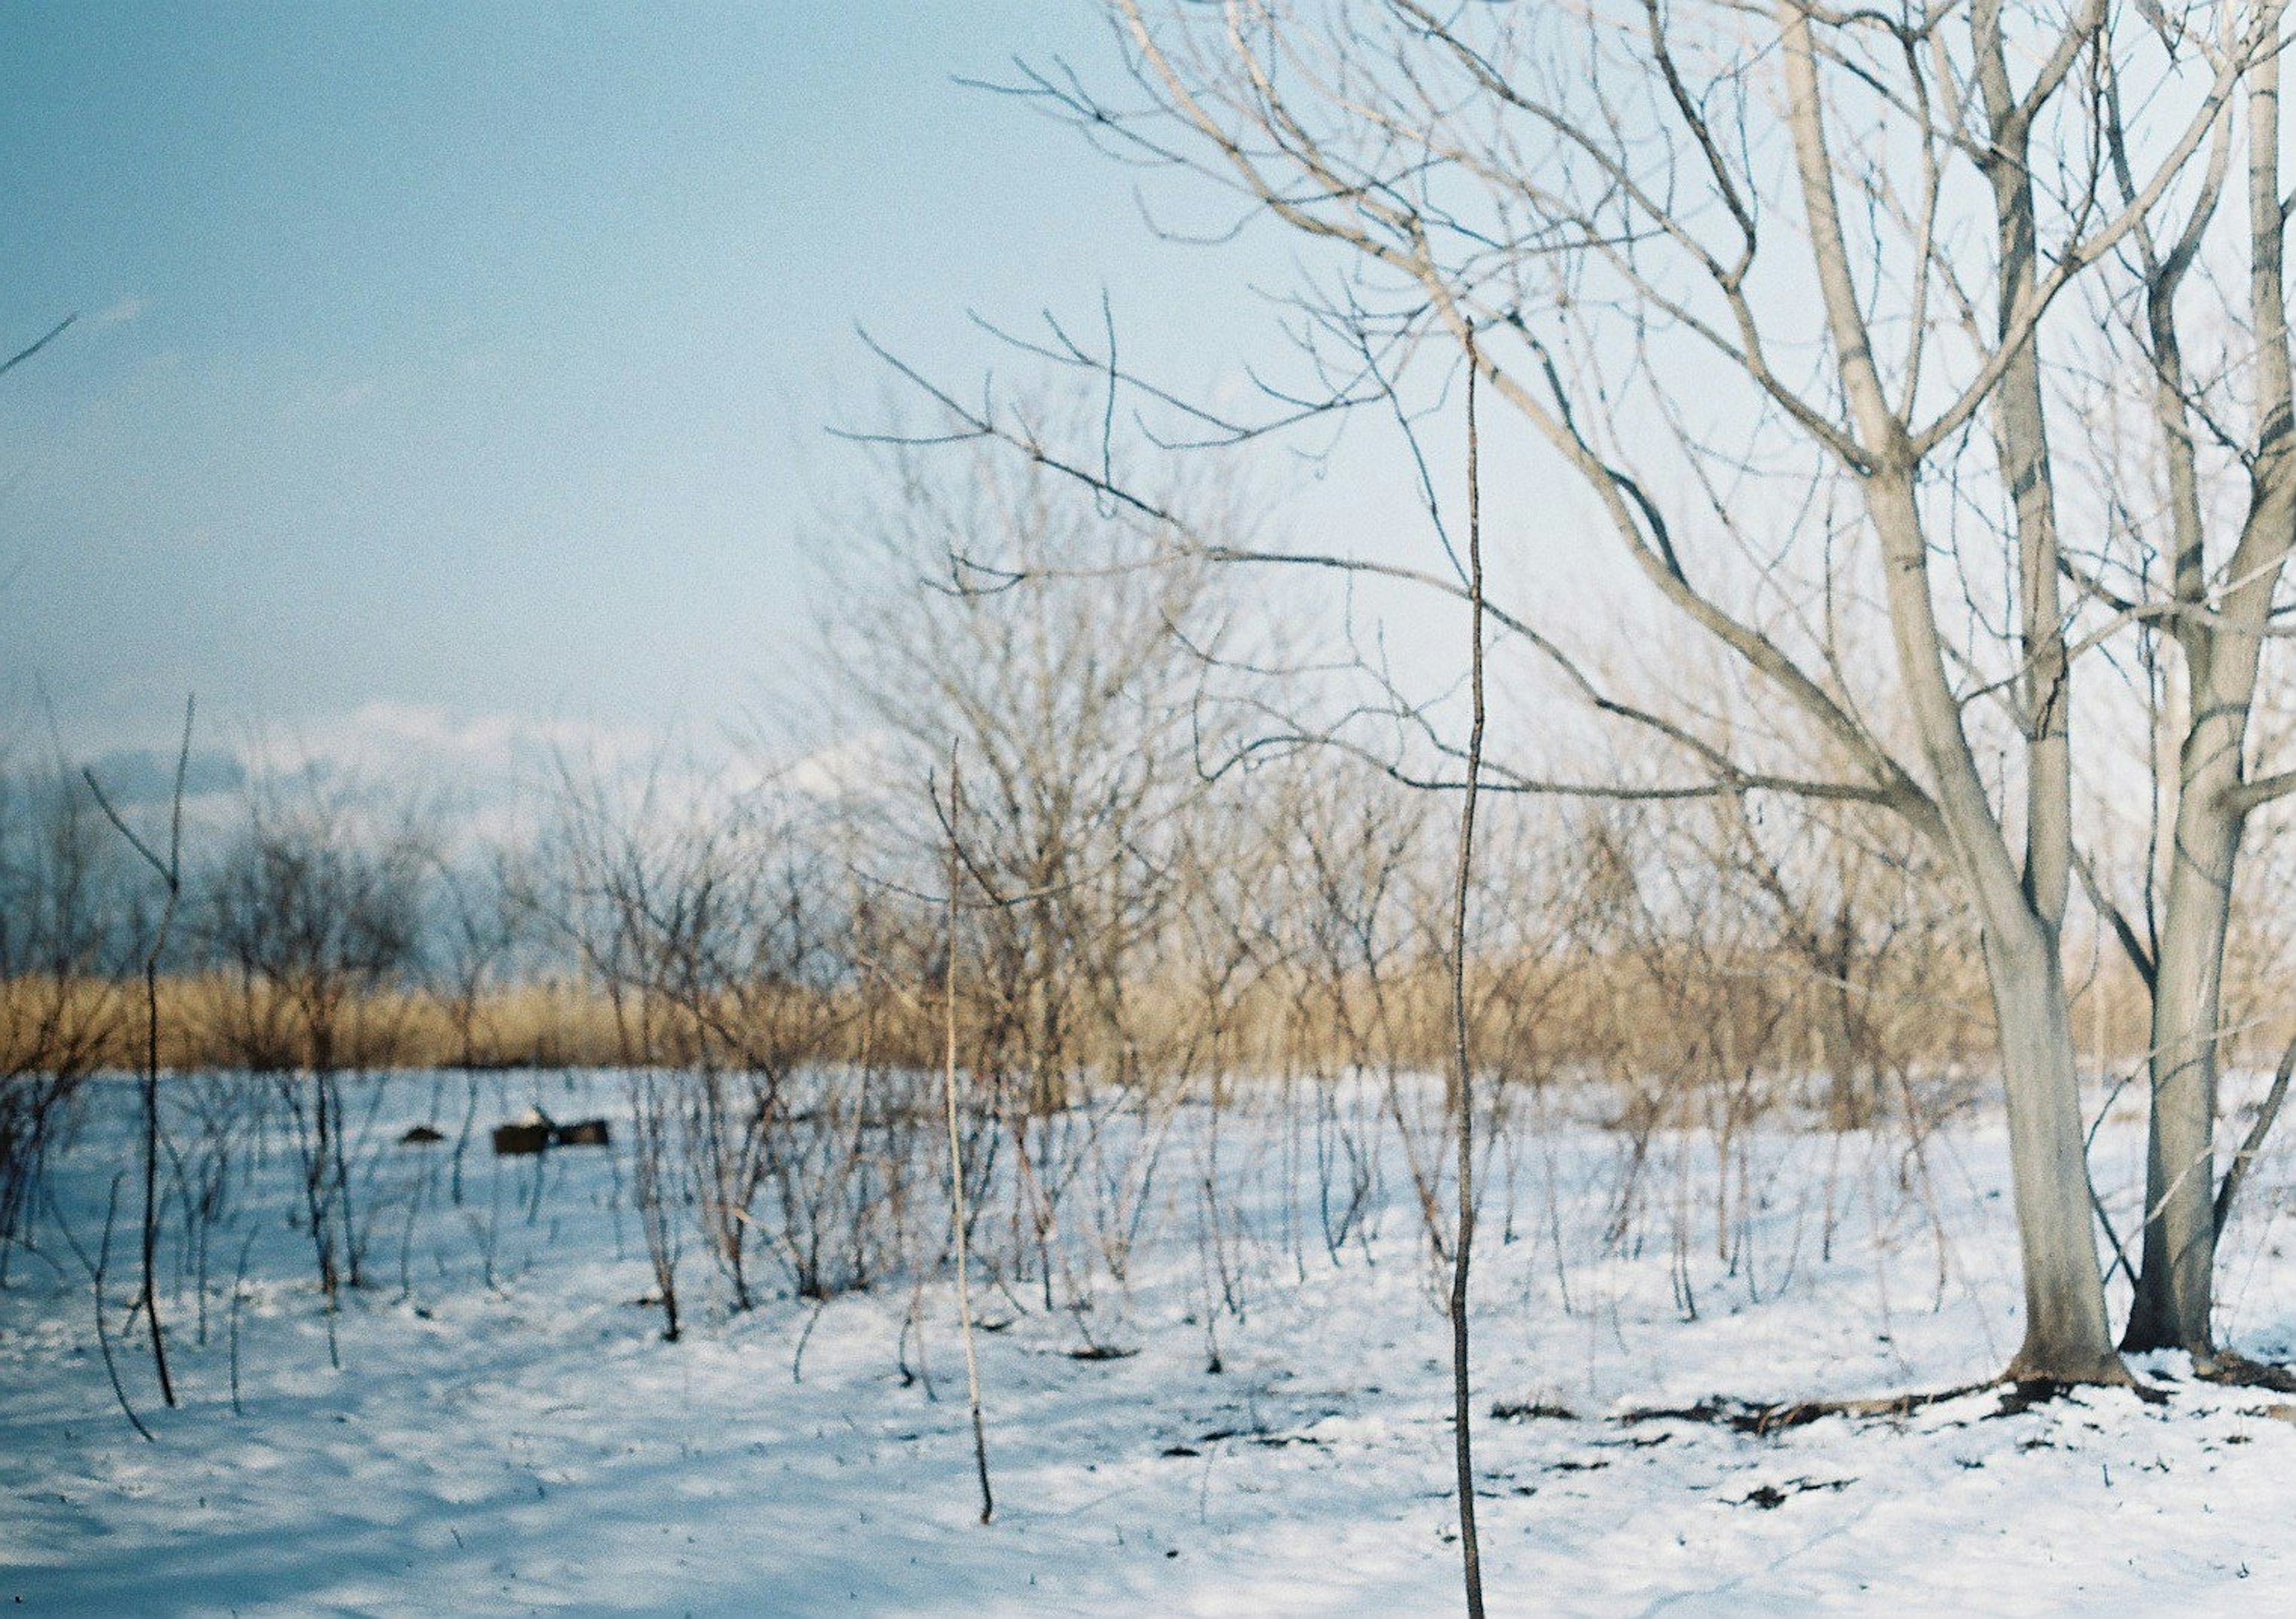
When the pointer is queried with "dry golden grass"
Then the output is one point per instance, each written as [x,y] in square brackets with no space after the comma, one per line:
[1687,1020]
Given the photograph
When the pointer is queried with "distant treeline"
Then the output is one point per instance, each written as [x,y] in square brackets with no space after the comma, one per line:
[1097,808]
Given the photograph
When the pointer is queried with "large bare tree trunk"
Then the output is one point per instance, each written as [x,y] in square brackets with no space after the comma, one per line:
[2174,1292]
[2067,1336]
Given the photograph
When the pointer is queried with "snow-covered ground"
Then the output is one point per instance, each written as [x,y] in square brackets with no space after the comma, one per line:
[532,1446]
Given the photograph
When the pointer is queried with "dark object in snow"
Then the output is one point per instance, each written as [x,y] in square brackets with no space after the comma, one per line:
[1762,1419]
[1769,1498]
[422,1135]
[1102,1352]
[1257,1435]
[1531,1409]
[523,1138]
[519,1141]
[538,1131]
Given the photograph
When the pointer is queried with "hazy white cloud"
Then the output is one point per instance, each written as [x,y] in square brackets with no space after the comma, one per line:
[388,743]
[486,773]
[147,776]
[854,766]
[123,312]
[482,777]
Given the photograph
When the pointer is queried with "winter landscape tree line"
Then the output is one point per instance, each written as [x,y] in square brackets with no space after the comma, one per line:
[1164,899]
[1884,455]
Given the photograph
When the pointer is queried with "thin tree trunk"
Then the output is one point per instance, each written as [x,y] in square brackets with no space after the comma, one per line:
[170,873]
[151,1299]
[1463,1074]
[960,1219]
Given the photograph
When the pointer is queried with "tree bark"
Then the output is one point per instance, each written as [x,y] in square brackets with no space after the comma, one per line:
[2068,1338]
[2175,1289]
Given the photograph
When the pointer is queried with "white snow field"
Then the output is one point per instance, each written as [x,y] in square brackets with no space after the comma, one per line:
[532,1446]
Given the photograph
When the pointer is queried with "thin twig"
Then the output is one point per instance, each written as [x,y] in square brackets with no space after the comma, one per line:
[2236,1172]
[95,1269]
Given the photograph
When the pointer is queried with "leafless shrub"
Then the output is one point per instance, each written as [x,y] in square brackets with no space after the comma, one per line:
[312,913]
[58,1011]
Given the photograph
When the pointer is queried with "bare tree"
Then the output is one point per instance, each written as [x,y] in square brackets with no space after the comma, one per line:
[1785,296]
[2199,508]
[1463,1077]
[482,928]
[169,870]
[58,1011]
[315,912]
[996,605]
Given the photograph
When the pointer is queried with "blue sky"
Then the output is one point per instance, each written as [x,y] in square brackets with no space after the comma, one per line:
[473,361]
